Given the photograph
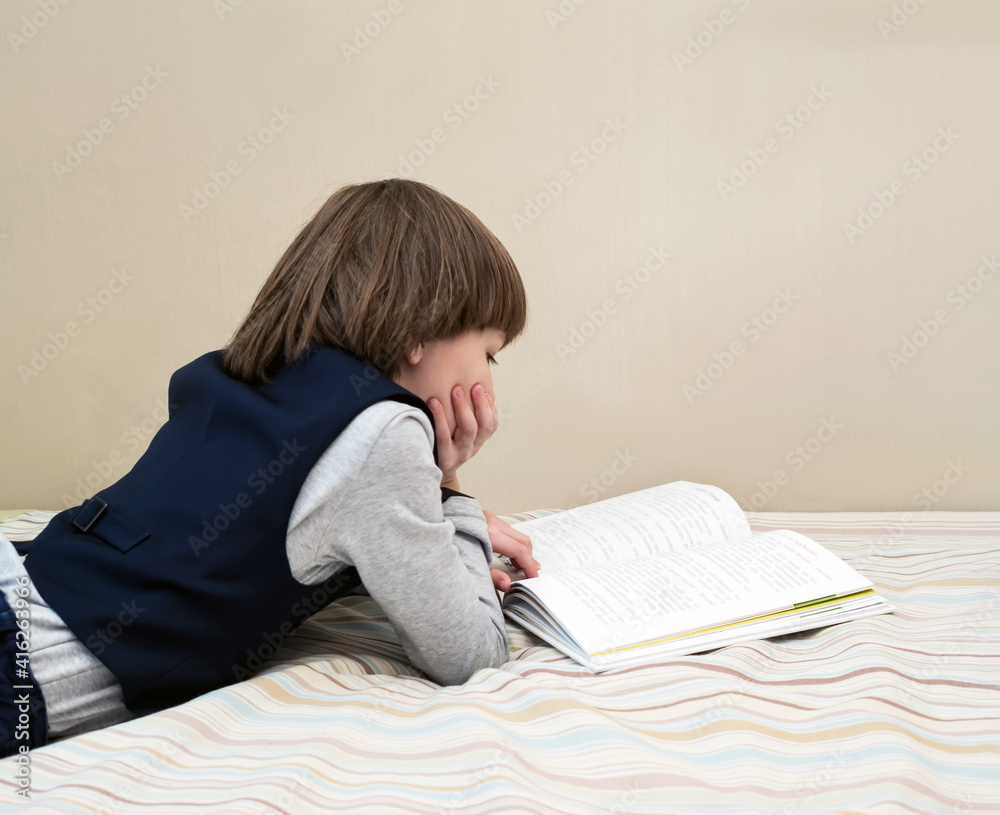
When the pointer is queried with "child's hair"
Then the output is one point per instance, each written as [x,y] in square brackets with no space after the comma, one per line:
[382,267]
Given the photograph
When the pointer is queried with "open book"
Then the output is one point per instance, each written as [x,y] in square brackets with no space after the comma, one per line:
[674,570]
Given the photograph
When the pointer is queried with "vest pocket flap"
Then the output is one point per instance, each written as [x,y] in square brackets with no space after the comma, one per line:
[112,528]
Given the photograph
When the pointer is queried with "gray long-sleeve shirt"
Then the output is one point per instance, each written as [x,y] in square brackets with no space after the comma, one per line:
[372,500]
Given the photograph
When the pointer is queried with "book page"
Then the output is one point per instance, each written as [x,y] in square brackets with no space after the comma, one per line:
[648,522]
[611,605]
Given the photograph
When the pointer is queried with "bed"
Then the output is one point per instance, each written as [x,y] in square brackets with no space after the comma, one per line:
[894,714]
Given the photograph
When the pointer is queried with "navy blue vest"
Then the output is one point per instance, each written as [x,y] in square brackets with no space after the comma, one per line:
[176,576]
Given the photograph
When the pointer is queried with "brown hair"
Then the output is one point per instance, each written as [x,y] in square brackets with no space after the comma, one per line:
[381,268]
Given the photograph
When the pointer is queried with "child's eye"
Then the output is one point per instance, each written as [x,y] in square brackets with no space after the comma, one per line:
[491,359]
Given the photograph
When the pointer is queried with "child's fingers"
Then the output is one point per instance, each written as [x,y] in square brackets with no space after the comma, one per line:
[440,419]
[526,562]
[519,554]
[476,419]
[501,580]
[486,417]
[520,537]
[507,541]
[495,411]
[495,524]
[466,426]
[443,434]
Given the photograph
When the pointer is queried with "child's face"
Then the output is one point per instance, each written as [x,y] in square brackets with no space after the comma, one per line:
[437,366]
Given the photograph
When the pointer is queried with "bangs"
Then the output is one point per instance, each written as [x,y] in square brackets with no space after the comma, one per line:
[479,286]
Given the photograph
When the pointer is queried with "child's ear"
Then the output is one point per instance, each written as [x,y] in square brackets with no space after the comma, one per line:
[414,355]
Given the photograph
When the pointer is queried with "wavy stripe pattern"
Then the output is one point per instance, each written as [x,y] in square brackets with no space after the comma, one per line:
[895,714]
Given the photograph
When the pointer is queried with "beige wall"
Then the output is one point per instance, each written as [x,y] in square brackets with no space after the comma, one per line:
[761,350]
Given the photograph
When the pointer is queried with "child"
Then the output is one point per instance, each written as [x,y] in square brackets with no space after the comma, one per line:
[296,464]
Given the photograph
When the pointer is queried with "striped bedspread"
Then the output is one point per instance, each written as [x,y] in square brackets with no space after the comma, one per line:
[895,714]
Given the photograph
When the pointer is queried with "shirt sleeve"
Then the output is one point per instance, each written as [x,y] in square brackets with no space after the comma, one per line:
[424,560]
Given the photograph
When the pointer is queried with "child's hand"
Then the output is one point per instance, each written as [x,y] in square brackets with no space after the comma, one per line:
[475,422]
[507,541]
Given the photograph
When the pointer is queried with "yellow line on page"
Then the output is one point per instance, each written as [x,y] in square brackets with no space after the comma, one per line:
[813,604]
